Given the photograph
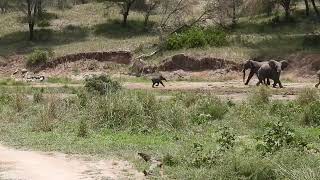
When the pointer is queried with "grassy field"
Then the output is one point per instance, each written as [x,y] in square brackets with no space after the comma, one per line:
[92,27]
[196,135]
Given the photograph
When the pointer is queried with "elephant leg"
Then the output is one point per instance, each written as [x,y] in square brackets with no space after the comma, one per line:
[153,85]
[268,82]
[317,85]
[280,85]
[162,84]
[249,77]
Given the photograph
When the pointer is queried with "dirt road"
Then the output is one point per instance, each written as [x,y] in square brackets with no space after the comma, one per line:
[30,165]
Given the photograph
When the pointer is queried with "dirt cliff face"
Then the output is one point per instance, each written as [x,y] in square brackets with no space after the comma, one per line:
[120,57]
[189,63]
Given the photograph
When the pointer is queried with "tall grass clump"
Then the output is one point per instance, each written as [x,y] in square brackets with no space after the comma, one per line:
[209,109]
[311,115]
[260,96]
[102,85]
[19,102]
[307,96]
[47,117]
[136,112]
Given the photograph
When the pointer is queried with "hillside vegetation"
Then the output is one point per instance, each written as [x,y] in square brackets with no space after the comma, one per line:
[93,27]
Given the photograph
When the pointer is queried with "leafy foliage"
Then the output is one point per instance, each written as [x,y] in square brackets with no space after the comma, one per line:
[196,37]
[277,136]
[226,139]
[37,57]
[102,84]
[209,109]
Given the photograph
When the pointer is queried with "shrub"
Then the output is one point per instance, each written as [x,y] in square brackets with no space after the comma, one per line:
[208,109]
[196,37]
[307,96]
[215,37]
[226,139]
[202,158]
[311,115]
[101,84]
[260,96]
[277,136]
[37,57]
[82,129]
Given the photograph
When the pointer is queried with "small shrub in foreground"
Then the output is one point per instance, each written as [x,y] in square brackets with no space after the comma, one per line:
[311,115]
[102,84]
[307,96]
[260,96]
[226,139]
[277,136]
[208,109]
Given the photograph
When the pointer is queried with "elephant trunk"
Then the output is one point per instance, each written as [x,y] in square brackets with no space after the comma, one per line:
[244,75]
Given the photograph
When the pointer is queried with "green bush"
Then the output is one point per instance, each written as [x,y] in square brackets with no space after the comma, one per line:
[203,158]
[208,109]
[277,136]
[226,139]
[311,115]
[37,57]
[102,84]
[196,37]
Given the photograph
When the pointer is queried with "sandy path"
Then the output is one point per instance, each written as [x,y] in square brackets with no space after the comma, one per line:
[29,165]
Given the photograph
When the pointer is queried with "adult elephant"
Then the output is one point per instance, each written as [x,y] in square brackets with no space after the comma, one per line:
[318,75]
[254,66]
[272,70]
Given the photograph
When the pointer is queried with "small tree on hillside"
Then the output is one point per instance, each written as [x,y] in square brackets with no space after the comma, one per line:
[147,7]
[125,6]
[286,4]
[30,8]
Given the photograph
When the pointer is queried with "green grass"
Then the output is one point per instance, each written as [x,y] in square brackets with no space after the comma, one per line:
[124,123]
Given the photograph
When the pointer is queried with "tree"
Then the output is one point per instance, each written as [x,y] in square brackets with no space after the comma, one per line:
[125,6]
[286,4]
[30,8]
[151,5]
[307,7]
[224,12]
[315,7]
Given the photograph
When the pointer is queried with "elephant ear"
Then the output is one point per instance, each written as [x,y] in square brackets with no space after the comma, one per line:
[273,64]
[284,64]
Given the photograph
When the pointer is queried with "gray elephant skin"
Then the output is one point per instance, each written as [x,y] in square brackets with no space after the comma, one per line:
[318,75]
[272,70]
[254,66]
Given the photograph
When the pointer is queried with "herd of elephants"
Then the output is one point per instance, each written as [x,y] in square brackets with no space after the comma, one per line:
[265,71]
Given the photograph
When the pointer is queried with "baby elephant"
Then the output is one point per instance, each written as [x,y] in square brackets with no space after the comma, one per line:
[318,74]
[158,80]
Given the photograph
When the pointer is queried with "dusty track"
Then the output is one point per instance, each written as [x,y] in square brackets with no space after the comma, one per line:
[231,90]
[16,164]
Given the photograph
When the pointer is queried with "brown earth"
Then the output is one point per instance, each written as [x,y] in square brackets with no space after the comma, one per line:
[18,164]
